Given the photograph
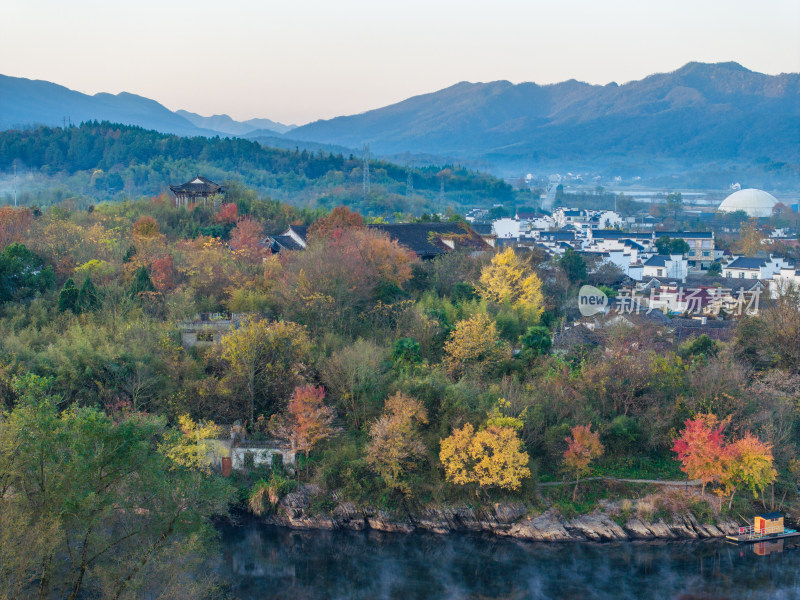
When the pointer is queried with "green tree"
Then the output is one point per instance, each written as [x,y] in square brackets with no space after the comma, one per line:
[92,507]
[574,266]
[406,351]
[666,245]
[88,299]
[22,273]
[267,359]
[674,205]
[68,297]
[141,283]
[715,269]
[536,341]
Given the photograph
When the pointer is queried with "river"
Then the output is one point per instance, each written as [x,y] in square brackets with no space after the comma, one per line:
[260,562]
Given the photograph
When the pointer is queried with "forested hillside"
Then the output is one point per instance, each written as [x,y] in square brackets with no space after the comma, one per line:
[103,161]
[402,384]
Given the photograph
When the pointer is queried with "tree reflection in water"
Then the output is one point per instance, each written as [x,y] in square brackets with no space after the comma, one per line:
[273,563]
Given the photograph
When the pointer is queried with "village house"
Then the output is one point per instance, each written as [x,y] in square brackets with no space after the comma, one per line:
[745,267]
[674,266]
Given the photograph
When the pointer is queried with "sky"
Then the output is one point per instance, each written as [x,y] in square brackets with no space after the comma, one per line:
[296,61]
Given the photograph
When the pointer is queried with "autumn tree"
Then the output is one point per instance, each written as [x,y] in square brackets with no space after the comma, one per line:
[267,359]
[701,449]
[340,218]
[311,420]
[227,214]
[490,457]
[191,449]
[336,280]
[583,447]
[246,240]
[750,238]
[747,463]
[474,347]
[395,442]
[508,279]
[14,224]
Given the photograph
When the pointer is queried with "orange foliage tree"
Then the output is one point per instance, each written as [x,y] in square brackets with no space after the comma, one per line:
[340,218]
[583,447]
[311,420]
[14,223]
[701,449]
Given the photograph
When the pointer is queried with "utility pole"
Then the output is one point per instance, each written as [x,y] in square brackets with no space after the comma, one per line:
[365,169]
[15,184]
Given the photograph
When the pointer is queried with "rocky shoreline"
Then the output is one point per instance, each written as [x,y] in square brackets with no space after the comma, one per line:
[506,519]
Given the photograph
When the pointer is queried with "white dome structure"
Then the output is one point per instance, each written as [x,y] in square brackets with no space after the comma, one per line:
[756,203]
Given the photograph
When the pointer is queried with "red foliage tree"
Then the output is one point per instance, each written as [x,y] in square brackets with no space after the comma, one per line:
[228,213]
[162,273]
[701,449]
[245,241]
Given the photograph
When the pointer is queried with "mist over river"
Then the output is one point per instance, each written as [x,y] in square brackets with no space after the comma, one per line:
[261,562]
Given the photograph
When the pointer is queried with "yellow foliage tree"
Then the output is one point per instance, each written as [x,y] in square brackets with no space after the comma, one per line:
[507,279]
[491,457]
[190,449]
[395,441]
[474,345]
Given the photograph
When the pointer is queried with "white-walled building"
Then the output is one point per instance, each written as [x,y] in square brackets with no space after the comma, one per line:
[745,267]
[506,228]
[674,266]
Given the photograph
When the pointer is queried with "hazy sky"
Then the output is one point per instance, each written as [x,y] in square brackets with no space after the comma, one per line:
[297,61]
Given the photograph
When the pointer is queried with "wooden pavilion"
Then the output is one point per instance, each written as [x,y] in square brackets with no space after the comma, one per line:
[199,188]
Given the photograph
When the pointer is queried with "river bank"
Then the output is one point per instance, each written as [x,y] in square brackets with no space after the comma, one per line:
[640,519]
[259,562]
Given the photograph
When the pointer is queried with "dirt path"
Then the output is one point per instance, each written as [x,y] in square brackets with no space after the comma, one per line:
[650,481]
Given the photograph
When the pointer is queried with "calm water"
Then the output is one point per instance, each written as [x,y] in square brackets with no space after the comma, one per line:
[266,563]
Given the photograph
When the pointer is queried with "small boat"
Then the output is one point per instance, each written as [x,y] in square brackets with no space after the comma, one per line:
[767,526]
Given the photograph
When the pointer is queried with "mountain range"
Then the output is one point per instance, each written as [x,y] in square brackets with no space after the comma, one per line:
[720,113]
[706,112]
[26,102]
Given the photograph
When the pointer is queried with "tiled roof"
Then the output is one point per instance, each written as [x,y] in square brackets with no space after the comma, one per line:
[657,260]
[482,228]
[199,185]
[746,262]
[693,235]
[284,242]
[424,239]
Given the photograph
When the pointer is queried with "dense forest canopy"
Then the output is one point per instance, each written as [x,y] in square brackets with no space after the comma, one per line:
[105,160]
